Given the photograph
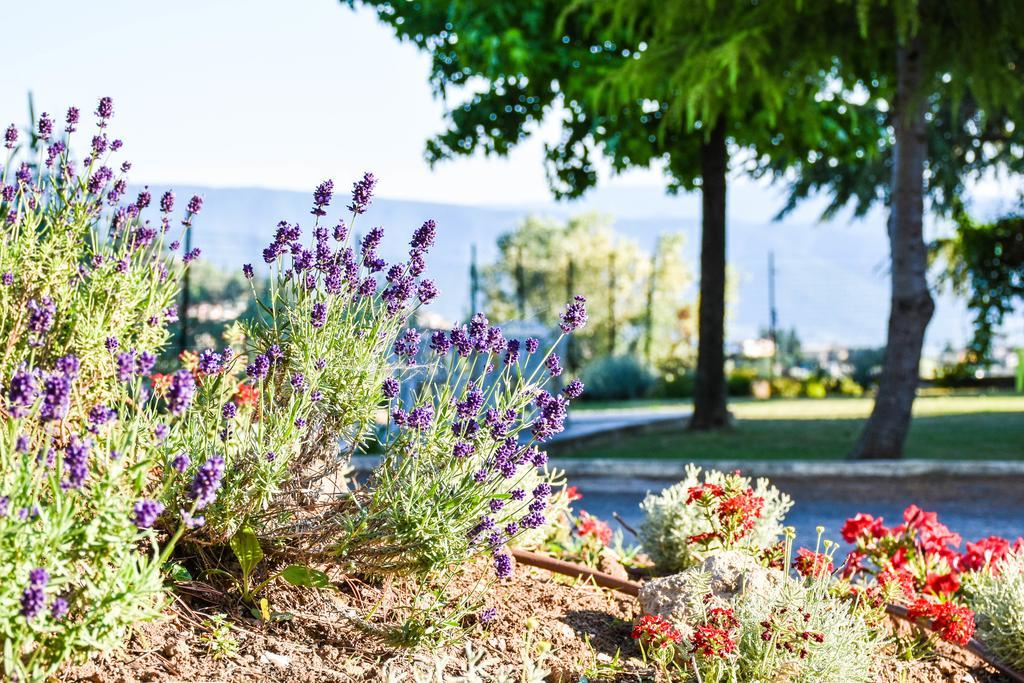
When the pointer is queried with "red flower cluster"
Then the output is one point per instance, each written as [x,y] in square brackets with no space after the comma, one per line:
[952,622]
[653,629]
[731,509]
[588,525]
[809,563]
[246,395]
[782,629]
[716,637]
[988,552]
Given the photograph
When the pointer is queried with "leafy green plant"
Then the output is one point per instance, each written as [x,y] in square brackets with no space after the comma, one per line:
[617,377]
[218,638]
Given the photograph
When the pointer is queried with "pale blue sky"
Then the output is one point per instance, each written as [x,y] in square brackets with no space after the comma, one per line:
[274,93]
[266,93]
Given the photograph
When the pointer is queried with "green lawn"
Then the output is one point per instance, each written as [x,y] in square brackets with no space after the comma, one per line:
[945,427]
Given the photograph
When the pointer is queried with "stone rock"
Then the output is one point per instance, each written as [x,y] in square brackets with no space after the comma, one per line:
[609,564]
[732,573]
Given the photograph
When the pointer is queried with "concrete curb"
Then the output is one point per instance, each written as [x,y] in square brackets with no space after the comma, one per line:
[674,470]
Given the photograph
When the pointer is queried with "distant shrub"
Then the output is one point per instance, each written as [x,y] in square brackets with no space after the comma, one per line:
[678,533]
[814,388]
[675,380]
[844,386]
[617,377]
[740,381]
[787,387]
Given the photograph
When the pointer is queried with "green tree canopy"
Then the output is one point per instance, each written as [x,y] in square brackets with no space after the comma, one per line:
[639,83]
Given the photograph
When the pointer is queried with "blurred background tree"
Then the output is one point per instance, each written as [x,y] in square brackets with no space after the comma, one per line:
[636,300]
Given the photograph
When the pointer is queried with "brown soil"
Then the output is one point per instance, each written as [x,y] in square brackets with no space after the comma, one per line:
[324,640]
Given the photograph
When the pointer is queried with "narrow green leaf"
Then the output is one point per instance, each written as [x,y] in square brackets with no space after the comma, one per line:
[298,575]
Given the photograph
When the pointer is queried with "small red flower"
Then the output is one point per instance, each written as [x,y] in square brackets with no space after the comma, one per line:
[246,395]
[862,525]
[952,622]
[809,563]
[987,552]
[572,494]
[653,629]
[160,382]
[704,492]
[588,525]
[942,584]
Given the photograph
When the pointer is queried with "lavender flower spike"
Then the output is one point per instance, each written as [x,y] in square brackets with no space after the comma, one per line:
[207,482]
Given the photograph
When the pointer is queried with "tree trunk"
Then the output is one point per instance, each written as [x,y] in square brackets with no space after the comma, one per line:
[911,304]
[709,404]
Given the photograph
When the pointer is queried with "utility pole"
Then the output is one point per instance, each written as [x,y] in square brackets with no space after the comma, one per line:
[650,306]
[186,296]
[773,318]
[611,303]
[474,280]
[520,284]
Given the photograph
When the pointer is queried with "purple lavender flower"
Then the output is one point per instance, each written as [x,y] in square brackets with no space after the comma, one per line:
[229,411]
[461,341]
[318,316]
[144,363]
[533,520]
[551,420]
[33,600]
[532,345]
[76,462]
[192,521]
[575,315]
[554,365]
[463,449]
[471,404]
[58,608]
[488,615]
[390,387]
[195,204]
[298,381]
[408,345]
[181,391]
[22,392]
[45,126]
[421,417]
[207,482]
[362,194]
[341,231]
[22,444]
[10,136]
[426,291]
[496,504]
[146,512]
[181,462]
[322,197]
[191,256]
[424,236]
[5,503]
[512,352]
[68,365]
[40,318]
[7,279]
[105,109]
[167,201]
[248,271]
[503,565]
[125,365]
[209,362]
[56,397]
[573,389]
[440,343]
[100,414]
[71,119]
[259,368]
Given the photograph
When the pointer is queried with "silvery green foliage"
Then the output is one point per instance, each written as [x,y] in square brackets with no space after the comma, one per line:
[997,598]
[849,651]
[668,521]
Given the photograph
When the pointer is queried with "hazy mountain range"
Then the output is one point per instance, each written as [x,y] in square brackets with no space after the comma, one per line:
[831,283]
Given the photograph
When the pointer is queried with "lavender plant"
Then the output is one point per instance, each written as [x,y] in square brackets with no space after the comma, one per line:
[86,292]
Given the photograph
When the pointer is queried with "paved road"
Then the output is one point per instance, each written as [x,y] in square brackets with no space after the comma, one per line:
[587,423]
